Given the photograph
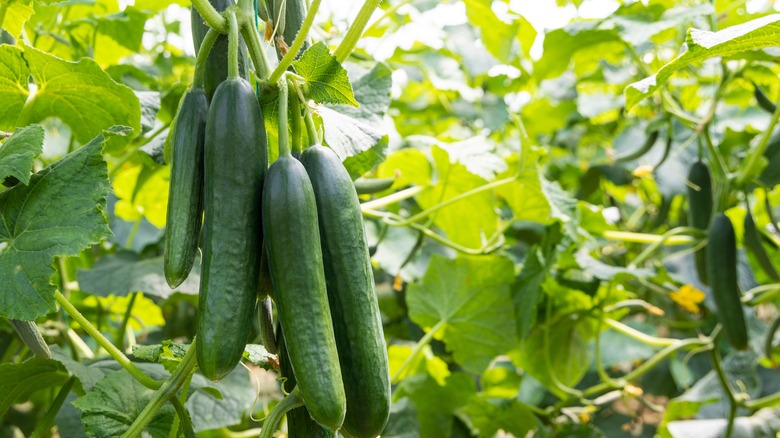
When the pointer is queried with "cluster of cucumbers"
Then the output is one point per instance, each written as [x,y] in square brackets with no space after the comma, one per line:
[293,231]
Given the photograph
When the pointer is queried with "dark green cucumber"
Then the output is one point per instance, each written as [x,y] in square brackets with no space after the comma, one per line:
[722,270]
[700,202]
[28,332]
[753,244]
[294,12]
[216,69]
[369,186]
[295,260]
[265,316]
[185,195]
[353,303]
[641,151]
[235,157]
[763,101]
[299,422]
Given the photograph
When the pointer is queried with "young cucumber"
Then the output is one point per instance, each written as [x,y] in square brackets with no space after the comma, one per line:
[700,209]
[185,195]
[28,332]
[353,303]
[235,157]
[295,261]
[722,270]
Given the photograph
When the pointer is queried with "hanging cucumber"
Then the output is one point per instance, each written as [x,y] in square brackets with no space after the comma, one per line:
[185,195]
[642,150]
[28,332]
[353,303]
[235,159]
[288,16]
[295,260]
[216,68]
[369,186]
[722,270]
[753,244]
[700,204]
[763,101]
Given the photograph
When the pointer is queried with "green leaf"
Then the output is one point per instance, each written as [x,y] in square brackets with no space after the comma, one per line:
[125,272]
[469,298]
[259,356]
[87,375]
[352,132]
[18,13]
[604,271]
[326,79]
[80,93]
[701,44]
[18,152]
[18,380]
[209,412]
[126,27]
[60,213]
[436,403]
[115,402]
[497,36]
[403,420]
[561,44]
[13,85]
[488,415]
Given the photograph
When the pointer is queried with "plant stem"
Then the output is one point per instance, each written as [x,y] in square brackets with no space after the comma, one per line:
[249,32]
[119,339]
[292,52]
[203,54]
[627,236]
[290,402]
[183,417]
[43,428]
[425,340]
[356,30]
[392,199]
[717,365]
[165,393]
[755,154]
[105,343]
[295,125]
[761,294]
[211,16]
[639,336]
[232,44]
[284,135]
[311,130]
[658,244]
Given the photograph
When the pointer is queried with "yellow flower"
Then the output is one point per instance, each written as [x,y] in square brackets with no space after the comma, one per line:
[642,171]
[688,297]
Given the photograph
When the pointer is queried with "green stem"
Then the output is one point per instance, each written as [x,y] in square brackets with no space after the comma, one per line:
[769,401]
[295,125]
[119,339]
[388,12]
[658,244]
[761,294]
[717,365]
[284,135]
[203,54]
[292,52]
[232,45]
[392,199]
[755,154]
[43,428]
[211,16]
[769,341]
[183,417]
[639,336]
[311,129]
[249,32]
[425,340]
[290,402]
[627,236]
[132,234]
[164,394]
[355,30]
[106,344]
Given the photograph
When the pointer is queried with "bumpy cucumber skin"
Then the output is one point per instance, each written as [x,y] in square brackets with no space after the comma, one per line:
[295,260]
[357,323]
[700,204]
[216,69]
[235,157]
[299,422]
[28,332]
[722,270]
[185,195]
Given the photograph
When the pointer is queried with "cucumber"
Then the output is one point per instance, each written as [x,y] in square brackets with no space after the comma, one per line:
[28,332]
[299,422]
[290,15]
[295,260]
[763,101]
[235,157]
[722,270]
[185,195]
[369,186]
[700,202]
[265,316]
[753,244]
[216,69]
[641,151]
[353,304]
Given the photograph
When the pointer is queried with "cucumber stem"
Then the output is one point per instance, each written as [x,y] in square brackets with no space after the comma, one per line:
[43,428]
[627,236]
[203,54]
[292,52]
[271,423]
[119,339]
[311,130]
[425,340]
[211,16]
[255,49]
[232,45]
[105,343]
[356,30]
[284,136]
[296,128]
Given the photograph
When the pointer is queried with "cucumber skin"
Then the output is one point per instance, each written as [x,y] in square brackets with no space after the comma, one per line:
[185,195]
[722,270]
[295,260]
[216,69]
[235,157]
[28,332]
[295,13]
[353,304]
[700,205]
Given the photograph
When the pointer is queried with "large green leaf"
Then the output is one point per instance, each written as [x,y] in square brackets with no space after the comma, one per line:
[13,85]
[437,402]
[60,213]
[18,152]
[702,44]
[489,415]
[469,298]
[18,380]
[497,35]
[18,13]
[326,79]
[79,93]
